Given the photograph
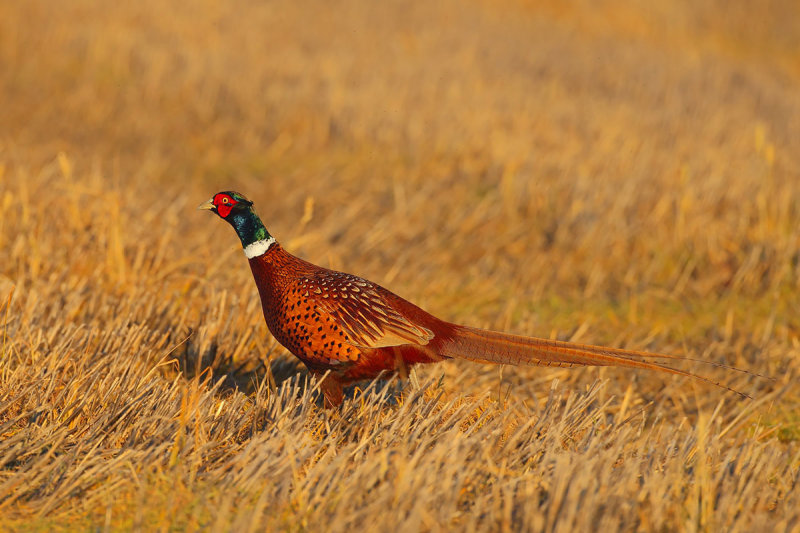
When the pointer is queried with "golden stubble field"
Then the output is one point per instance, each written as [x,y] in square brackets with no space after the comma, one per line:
[609,172]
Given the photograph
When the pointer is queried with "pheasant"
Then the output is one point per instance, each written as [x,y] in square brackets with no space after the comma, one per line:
[346,329]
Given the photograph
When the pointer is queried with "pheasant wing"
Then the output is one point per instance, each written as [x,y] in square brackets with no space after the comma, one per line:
[361,310]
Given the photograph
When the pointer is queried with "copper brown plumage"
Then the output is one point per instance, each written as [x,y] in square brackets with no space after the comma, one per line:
[349,329]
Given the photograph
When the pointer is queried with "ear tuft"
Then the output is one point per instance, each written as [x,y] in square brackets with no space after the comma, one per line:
[239,198]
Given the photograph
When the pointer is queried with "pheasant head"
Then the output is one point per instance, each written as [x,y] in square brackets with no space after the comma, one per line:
[236,210]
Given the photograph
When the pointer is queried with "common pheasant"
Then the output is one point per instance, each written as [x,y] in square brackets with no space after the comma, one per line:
[346,328]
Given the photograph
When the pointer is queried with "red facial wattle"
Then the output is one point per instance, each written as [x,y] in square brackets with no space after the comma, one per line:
[224,205]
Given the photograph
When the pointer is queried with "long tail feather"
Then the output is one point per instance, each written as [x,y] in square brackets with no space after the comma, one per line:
[486,346]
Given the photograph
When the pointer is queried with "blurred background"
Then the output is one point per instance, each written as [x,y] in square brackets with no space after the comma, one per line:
[244,89]
[618,171]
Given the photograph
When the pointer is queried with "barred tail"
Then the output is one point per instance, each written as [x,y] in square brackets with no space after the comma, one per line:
[486,346]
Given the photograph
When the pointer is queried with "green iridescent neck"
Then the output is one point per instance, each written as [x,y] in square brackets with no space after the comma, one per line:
[248,226]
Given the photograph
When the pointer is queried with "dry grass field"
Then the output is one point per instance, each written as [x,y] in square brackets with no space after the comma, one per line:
[617,172]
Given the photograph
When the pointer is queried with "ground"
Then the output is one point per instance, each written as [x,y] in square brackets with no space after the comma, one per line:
[613,172]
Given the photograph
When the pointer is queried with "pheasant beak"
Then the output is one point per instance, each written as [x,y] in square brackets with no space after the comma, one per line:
[207,205]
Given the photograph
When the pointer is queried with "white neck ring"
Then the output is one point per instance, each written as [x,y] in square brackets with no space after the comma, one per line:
[258,248]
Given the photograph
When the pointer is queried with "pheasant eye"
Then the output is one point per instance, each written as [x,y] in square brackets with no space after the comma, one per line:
[225,200]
